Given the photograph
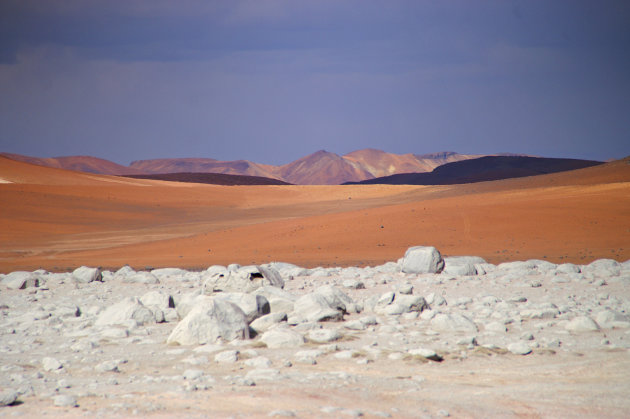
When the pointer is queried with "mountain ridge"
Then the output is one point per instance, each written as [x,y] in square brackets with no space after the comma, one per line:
[319,168]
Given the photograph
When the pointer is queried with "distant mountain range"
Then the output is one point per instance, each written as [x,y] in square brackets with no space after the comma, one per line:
[484,169]
[319,168]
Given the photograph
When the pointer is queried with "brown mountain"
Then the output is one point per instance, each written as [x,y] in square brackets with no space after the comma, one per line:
[204,165]
[322,168]
[379,163]
[87,164]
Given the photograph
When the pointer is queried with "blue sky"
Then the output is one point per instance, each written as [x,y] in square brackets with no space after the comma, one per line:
[272,81]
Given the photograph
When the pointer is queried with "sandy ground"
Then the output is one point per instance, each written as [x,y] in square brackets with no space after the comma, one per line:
[56,219]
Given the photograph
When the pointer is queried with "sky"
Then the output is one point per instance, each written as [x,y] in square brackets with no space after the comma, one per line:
[272,80]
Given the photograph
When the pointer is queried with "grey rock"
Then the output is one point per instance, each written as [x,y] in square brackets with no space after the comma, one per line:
[452,323]
[254,306]
[282,338]
[51,364]
[20,280]
[227,357]
[141,278]
[86,274]
[610,319]
[263,323]
[107,366]
[186,302]
[8,397]
[495,327]
[258,362]
[129,308]
[210,319]
[581,324]
[327,303]
[245,279]
[462,265]
[324,335]
[402,304]
[421,260]
[159,299]
[519,348]
[192,374]
[169,273]
[65,400]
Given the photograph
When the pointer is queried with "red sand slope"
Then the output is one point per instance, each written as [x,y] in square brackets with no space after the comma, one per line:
[57,219]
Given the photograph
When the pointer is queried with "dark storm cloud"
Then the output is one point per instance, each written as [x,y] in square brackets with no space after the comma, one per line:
[273,80]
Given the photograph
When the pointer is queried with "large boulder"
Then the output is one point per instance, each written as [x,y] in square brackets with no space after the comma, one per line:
[279,299]
[326,303]
[209,320]
[242,279]
[462,265]
[254,306]
[85,274]
[399,304]
[281,337]
[422,260]
[159,299]
[20,280]
[141,278]
[443,322]
[122,312]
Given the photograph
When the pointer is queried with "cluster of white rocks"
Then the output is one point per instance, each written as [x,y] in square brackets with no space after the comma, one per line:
[68,337]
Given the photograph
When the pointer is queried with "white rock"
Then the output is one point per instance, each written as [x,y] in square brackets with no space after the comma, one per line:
[227,357]
[327,303]
[263,323]
[127,309]
[254,306]
[282,338]
[581,324]
[208,320]
[51,364]
[462,265]
[158,298]
[192,374]
[141,278]
[8,397]
[611,319]
[422,259]
[519,348]
[258,362]
[444,322]
[20,280]
[324,335]
[64,400]
[85,274]
[107,366]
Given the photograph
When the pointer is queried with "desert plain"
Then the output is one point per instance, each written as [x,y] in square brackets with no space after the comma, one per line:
[547,337]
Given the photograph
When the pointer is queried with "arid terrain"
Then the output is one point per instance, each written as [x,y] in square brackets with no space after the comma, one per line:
[58,220]
[340,329]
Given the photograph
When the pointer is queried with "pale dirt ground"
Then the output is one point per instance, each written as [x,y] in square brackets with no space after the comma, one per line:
[583,377]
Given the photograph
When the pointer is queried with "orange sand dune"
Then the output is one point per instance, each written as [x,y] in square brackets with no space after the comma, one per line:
[57,219]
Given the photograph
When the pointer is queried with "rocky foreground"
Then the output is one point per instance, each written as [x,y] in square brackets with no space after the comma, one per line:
[421,337]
